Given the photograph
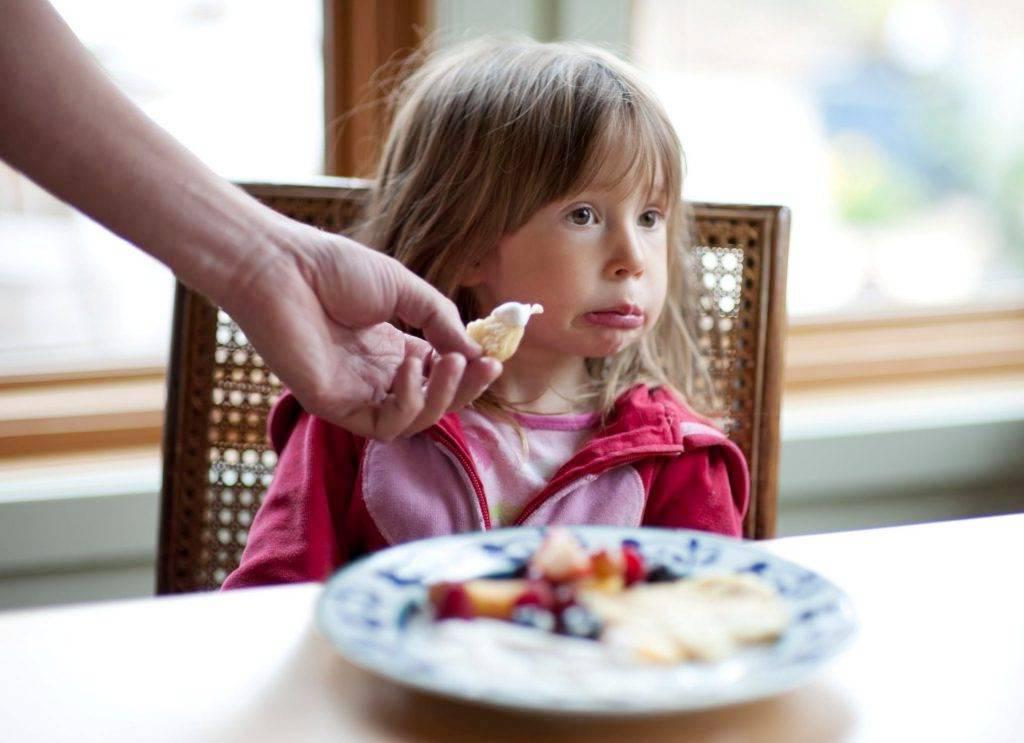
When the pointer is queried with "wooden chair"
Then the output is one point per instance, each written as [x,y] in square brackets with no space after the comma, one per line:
[217,463]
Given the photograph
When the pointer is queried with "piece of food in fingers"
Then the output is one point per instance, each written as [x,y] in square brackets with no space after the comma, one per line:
[500,332]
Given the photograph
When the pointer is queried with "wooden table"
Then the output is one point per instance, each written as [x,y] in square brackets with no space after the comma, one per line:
[940,656]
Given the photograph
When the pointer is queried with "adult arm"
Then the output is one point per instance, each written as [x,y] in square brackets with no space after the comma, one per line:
[316,306]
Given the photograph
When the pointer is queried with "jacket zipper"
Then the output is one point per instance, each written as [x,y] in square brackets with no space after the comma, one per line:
[470,469]
[557,484]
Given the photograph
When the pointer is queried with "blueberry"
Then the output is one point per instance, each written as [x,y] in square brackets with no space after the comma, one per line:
[661,574]
[517,572]
[530,615]
[578,621]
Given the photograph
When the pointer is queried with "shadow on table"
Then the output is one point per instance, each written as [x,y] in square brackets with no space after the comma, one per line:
[814,713]
[358,705]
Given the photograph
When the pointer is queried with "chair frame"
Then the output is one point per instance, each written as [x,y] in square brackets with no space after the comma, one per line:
[184,538]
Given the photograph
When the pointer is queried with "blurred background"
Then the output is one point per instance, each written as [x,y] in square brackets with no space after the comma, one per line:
[893,129]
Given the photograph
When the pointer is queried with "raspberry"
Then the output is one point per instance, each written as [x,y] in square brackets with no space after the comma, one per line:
[634,572]
[454,603]
[661,574]
[537,593]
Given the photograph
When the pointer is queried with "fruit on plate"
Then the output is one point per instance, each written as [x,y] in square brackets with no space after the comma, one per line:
[481,597]
[560,558]
[611,595]
[549,594]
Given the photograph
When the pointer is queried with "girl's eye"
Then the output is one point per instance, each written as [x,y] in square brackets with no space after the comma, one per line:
[582,216]
[649,218]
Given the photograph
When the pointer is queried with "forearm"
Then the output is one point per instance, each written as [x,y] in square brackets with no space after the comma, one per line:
[64,124]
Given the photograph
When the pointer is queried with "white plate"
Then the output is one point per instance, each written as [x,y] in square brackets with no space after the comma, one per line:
[375,612]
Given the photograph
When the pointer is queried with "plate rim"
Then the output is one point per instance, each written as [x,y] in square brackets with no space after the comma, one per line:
[750,692]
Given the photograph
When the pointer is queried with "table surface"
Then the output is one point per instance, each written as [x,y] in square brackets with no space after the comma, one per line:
[940,656]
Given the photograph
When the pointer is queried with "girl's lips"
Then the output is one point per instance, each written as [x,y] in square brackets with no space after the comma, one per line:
[614,319]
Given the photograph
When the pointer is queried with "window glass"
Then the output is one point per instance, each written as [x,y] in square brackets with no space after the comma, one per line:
[893,129]
[240,83]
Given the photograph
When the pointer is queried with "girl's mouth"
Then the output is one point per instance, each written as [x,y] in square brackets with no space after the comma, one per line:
[626,317]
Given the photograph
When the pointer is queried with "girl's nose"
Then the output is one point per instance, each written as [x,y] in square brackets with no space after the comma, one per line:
[628,259]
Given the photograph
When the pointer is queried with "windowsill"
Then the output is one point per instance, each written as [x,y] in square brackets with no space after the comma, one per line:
[61,513]
[876,440]
[58,477]
[904,406]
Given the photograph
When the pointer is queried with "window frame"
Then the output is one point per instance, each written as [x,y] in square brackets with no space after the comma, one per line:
[879,348]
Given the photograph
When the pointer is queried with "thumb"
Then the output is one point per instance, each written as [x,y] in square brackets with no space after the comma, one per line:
[420,305]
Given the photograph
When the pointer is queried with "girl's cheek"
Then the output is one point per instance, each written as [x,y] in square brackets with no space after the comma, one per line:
[655,315]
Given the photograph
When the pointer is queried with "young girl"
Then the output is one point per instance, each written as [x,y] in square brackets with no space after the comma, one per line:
[538,173]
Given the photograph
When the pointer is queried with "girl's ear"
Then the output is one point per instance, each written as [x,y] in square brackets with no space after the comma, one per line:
[473,276]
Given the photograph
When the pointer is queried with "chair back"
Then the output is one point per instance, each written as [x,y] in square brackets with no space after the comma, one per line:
[217,459]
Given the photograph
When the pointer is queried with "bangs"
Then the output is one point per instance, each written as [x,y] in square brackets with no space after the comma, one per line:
[626,139]
[633,150]
[580,119]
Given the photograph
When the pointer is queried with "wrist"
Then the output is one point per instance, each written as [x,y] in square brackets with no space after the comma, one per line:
[229,241]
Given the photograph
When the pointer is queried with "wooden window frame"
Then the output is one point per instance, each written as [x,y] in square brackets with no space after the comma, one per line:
[963,343]
[362,37]
[73,412]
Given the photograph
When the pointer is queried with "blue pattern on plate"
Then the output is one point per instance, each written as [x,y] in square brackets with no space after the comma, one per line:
[369,609]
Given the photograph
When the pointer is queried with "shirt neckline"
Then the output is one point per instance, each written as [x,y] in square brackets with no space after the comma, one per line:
[567,422]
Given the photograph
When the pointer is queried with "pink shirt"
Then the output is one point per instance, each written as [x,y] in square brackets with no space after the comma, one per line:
[512,475]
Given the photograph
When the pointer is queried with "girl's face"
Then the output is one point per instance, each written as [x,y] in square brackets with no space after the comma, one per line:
[597,262]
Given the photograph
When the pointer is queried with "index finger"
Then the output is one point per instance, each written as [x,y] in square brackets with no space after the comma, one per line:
[479,375]
[422,306]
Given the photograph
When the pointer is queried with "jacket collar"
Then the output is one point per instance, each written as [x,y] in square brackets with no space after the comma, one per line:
[643,422]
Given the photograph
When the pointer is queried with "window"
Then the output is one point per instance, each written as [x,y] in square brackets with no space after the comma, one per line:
[893,130]
[240,82]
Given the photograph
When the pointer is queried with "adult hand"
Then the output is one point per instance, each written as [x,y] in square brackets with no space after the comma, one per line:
[318,312]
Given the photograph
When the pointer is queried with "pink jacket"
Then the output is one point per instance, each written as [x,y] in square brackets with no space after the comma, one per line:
[337,496]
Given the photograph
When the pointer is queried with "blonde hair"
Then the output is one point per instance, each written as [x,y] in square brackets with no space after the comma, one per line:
[485,134]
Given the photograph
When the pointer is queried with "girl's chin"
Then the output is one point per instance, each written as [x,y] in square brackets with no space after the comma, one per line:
[609,343]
